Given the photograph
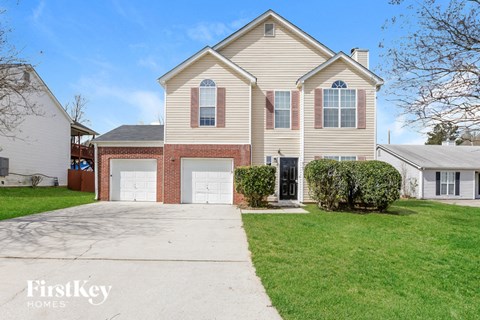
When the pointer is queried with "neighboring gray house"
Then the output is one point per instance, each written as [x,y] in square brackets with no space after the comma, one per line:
[434,171]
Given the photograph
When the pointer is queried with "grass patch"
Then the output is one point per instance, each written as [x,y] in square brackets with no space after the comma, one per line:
[421,261]
[17,202]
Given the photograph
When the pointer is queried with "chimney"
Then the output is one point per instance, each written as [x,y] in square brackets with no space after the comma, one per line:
[360,55]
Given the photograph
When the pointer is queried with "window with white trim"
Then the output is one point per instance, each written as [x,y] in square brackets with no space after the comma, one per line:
[447,183]
[207,103]
[339,106]
[268,160]
[341,158]
[282,109]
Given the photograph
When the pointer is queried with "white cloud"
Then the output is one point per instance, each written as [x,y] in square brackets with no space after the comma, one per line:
[205,32]
[415,140]
[129,12]
[237,24]
[209,31]
[38,11]
[398,126]
[149,104]
[150,63]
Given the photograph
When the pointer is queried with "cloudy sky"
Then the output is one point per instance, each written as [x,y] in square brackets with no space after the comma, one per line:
[113,51]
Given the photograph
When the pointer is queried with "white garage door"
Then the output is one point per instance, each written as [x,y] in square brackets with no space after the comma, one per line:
[207,181]
[133,180]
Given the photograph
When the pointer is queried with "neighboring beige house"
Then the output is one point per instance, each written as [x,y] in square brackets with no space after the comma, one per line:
[267,94]
[40,145]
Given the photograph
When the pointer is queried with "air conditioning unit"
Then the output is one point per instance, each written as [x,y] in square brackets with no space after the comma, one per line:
[3,167]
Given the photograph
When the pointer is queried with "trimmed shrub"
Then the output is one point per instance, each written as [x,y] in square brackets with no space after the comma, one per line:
[368,185]
[327,183]
[255,183]
[379,185]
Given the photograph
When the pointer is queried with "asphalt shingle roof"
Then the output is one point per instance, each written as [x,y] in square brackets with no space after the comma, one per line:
[133,133]
[436,156]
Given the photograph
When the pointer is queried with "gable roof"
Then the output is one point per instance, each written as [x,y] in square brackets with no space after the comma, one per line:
[76,128]
[349,60]
[207,50]
[272,14]
[134,133]
[436,156]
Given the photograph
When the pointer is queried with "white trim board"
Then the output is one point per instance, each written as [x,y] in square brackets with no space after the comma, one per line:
[207,50]
[378,81]
[128,143]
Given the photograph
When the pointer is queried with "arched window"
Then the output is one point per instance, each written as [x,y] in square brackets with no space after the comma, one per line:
[207,103]
[339,84]
[340,106]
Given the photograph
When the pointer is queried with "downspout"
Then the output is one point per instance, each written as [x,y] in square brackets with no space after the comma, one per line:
[302,144]
[375,126]
[420,184]
[164,138]
[95,156]
[250,123]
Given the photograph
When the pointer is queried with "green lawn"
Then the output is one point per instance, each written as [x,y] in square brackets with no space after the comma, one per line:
[421,261]
[17,202]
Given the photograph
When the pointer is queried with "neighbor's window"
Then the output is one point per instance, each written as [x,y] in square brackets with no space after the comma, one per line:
[447,183]
[208,97]
[339,106]
[282,109]
[269,30]
[341,158]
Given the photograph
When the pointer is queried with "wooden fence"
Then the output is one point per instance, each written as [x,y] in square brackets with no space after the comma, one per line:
[79,180]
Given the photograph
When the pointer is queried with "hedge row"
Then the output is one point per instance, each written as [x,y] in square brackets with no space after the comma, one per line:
[255,183]
[367,185]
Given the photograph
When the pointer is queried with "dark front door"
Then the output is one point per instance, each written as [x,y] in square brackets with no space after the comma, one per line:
[288,178]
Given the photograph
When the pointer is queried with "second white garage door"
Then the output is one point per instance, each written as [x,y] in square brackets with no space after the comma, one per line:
[133,180]
[207,181]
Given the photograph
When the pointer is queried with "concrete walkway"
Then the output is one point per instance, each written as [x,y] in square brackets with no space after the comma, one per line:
[161,261]
[467,203]
[275,211]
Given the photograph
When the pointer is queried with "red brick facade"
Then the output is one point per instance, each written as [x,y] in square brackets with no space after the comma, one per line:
[107,153]
[173,153]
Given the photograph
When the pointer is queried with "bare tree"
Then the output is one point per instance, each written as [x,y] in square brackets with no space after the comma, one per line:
[16,86]
[434,69]
[77,108]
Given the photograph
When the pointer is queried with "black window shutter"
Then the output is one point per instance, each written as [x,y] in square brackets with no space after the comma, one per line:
[457,183]
[438,183]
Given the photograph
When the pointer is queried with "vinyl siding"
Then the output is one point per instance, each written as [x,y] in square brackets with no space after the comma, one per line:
[338,141]
[41,146]
[408,172]
[236,130]
[467,184]
[277,62]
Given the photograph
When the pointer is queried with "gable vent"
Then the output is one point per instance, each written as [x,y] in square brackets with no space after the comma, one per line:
[269,30]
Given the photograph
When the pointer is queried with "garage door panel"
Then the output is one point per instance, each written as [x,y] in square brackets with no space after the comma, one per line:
[134,179]
[207,181]
[127,196]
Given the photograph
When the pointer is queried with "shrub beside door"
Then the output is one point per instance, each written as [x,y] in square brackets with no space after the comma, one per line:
[255,183]
[367,185]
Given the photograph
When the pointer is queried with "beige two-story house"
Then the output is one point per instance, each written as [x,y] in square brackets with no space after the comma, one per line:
[267,94]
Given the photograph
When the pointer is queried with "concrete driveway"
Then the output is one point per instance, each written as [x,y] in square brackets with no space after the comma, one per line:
[129,261]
